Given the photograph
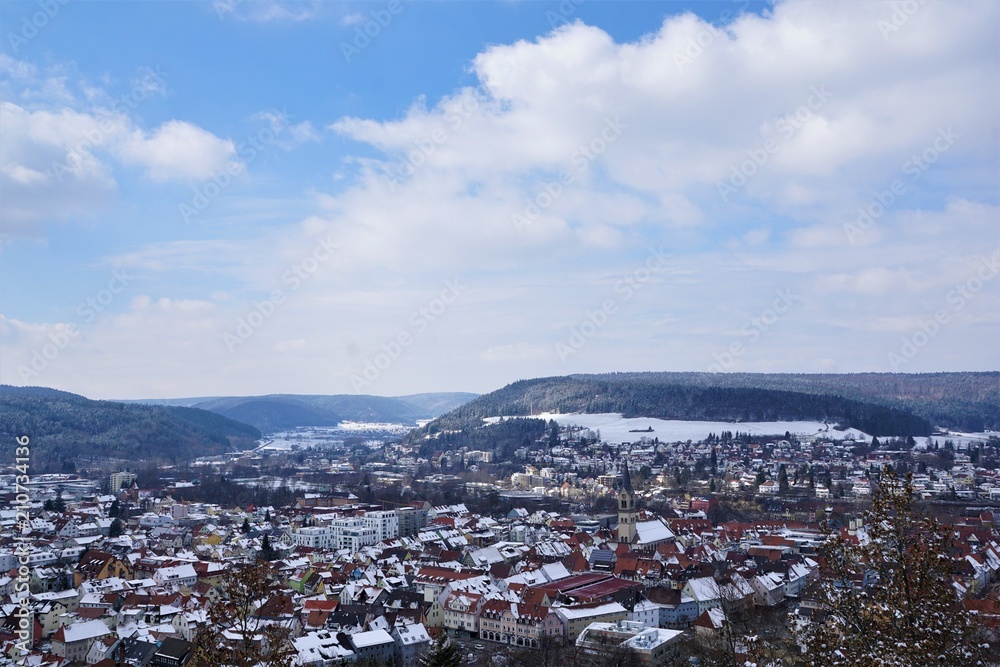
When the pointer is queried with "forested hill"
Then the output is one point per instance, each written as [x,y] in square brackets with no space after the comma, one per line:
[64,427]
[278,412]
[744,397]
[965,401]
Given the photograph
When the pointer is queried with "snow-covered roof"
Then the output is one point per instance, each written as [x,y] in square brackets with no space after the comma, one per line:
[83,630]
[569,613]
[653,531]
[371,638]
[413,634]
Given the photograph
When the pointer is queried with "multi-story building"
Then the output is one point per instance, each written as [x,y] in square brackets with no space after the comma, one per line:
[461,613]
[120,479]
[352,533]
[314,537]
[411,520]
[73,641]
[650,646]
[374,647]
[576,619]
[385,523]
[412,641]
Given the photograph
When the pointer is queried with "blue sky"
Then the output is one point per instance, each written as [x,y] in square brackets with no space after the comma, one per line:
[250,197]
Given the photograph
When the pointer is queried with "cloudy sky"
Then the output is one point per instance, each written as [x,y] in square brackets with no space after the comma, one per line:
[388,197]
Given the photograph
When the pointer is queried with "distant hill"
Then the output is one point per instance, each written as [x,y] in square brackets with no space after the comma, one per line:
[882,404]
[964,401]
[64,427]
[277,412]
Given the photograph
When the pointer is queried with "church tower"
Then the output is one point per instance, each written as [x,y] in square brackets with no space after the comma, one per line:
[626,508]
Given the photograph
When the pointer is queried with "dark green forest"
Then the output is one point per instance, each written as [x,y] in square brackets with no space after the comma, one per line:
[964,401]
[64,428]
[501,438]
[695,396]
[279,412]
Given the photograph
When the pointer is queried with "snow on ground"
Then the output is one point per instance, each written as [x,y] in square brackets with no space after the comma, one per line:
[615,428]
[961,440]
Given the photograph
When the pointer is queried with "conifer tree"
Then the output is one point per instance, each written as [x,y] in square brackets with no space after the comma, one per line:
[442,654]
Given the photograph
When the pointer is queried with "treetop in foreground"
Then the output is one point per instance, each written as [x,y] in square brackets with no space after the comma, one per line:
[889,598]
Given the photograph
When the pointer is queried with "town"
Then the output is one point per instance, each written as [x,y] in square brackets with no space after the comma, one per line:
[666,553]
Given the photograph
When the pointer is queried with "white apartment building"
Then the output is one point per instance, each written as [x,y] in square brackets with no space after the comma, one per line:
[120,479]
[315,537]
[352,533]
[385,524]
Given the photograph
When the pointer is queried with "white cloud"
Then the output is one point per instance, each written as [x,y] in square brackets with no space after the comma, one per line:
[57,147]
[179,150]
[50,166]
[844,108]
[637,140]
[288,134]
[269,11]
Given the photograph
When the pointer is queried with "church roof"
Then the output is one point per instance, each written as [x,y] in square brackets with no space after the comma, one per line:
[627,480]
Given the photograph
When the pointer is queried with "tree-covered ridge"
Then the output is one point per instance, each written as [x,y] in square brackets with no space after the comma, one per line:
[65,427]
[967,401]
[278,412]
[501,438]
[647,395]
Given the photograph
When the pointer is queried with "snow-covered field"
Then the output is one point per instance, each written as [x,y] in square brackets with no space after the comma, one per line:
[615,428]
[961,440]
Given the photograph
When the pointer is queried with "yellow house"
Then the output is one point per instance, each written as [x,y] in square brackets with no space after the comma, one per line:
[97,564]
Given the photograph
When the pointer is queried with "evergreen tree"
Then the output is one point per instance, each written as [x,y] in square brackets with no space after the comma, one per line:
[782,479]
[906,611]
[116,528]
[442,654]
[246,525]
[266,550]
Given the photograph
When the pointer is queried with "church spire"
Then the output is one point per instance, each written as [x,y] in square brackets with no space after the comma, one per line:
[626,508]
